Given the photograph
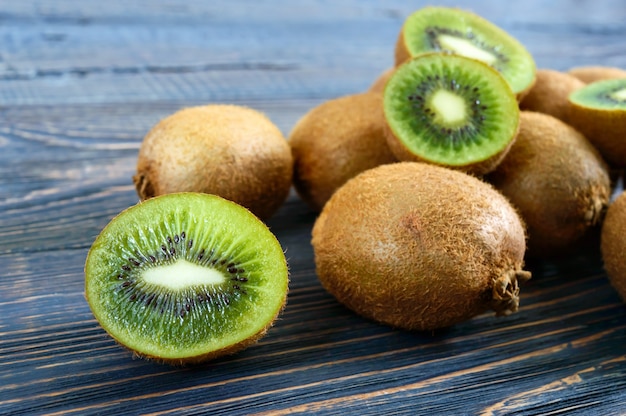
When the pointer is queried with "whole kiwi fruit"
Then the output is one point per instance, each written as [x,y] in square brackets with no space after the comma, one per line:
[599,112]
[613,244]
[335,141]
[593,73]
[450,110]
[420,247]
[549,94]
[186,277]
[228,150]
[557,180]
[453,30]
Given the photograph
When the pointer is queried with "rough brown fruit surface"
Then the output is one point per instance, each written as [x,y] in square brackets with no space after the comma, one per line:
[549,93]
[588,74]
[334,142]
[227,150]
[556,179]
[613,244]
[420,247]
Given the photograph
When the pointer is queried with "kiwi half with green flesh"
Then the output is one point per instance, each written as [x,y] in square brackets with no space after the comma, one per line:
[453,30]
[334,142]
[450,110]
[598,111]
[420,247]
[558,182]
[613,244]
[593,73]
[228,150]
[549,94]
[186,277]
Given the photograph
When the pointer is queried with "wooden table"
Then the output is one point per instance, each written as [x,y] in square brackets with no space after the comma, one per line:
[81,82]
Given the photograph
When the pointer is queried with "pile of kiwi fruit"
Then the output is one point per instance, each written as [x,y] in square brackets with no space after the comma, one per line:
[431,189]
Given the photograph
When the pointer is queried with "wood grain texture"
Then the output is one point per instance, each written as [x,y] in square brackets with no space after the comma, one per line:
[82,82]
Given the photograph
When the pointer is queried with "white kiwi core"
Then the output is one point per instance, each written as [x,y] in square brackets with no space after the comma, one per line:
[182,274]
[619,94]
[449,108]
[466,48]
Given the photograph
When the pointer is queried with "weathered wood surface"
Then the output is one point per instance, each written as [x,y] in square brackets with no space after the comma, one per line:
[81,83]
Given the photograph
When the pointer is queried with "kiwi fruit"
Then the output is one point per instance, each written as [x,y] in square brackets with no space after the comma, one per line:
[186,277]
[420,247]
[550,93]
[335,141]
[558,182]
[593,73]
[453,30]
[598,111]
[379,83]
[232,151]
[613,244]
[450,110]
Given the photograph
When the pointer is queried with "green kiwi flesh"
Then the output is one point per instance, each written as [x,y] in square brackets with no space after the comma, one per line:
[458,31]
[605,94]
[450,110]
[420,247]
[186,277]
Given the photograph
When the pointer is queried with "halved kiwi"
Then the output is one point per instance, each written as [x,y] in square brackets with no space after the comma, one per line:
[186,277]
[450,110]
[599,112]
[453,30]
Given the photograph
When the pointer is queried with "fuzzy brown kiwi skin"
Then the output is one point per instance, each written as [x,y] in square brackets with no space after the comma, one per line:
[592,73]
[557,180]
[228,150]
[335,141]
[550,92]
[613,244]
[430,247]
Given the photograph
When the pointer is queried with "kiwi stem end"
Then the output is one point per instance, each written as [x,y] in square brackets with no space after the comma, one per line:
[143,186]
[505,292]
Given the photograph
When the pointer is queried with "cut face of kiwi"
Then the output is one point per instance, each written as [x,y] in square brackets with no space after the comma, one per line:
[450,110]
[461,32]
[598,111]
[186,277]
